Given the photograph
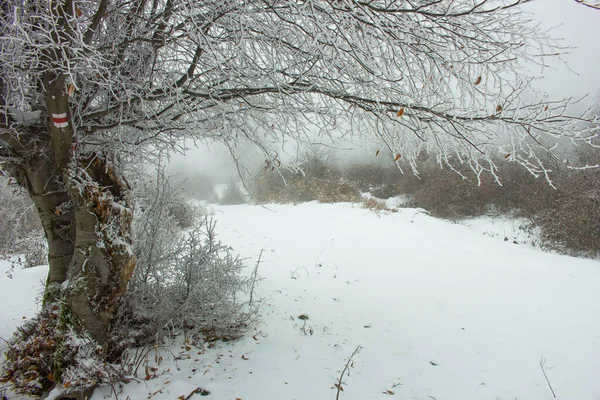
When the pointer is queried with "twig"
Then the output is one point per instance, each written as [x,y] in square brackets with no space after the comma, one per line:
[542,363]
[594,6]
[7,344]
[254,275]
[346,371]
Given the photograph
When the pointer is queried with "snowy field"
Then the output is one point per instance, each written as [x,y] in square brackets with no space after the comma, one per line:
[440,310]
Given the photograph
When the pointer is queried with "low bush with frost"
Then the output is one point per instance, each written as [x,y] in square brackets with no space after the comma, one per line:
[21,236]
[184,279]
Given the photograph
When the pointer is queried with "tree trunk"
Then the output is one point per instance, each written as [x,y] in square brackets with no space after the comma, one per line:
[45,186]
[81,197]
[88,228]
[103,260]
[86,210]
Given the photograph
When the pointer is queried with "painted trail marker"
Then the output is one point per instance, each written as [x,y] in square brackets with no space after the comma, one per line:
[60,120]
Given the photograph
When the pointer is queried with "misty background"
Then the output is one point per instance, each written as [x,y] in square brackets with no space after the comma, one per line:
[571,74]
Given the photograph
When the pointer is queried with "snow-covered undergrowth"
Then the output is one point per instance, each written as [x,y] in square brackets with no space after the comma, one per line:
[441,310]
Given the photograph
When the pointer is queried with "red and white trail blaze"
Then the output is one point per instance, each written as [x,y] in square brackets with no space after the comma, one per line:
[60,120]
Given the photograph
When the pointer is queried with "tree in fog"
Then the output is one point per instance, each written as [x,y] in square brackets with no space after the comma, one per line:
[85,84]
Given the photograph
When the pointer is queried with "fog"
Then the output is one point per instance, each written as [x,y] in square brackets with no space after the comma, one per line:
[573,74]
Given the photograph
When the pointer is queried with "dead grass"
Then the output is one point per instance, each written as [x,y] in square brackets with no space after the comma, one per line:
[377,205]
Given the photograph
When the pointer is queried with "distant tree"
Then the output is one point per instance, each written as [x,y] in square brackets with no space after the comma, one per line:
[84,84]
[233,194]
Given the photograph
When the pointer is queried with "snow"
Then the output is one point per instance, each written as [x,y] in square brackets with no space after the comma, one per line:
[441,310]
[19,296]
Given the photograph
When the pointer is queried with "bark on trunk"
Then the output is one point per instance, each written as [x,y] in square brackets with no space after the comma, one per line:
[45,185]
[103,260]
[100,212]
[88,228]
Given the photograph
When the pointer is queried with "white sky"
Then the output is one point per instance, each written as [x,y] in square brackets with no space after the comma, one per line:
[579,27]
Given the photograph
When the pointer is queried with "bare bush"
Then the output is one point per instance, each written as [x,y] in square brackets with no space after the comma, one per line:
[447,194]
[569,216]
[21,235]
[184,279]
[313,179]
[151,191]
[375,204]
[381,182]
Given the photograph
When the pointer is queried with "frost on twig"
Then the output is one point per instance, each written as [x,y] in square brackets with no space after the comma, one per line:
[21,236]
[185,279]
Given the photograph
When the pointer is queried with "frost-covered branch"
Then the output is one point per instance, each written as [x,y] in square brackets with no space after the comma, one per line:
[154,72]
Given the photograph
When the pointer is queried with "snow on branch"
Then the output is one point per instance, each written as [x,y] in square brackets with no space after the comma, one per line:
[444,76]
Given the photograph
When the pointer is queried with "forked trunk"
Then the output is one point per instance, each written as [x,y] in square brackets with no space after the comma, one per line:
[103,260]
[88,229]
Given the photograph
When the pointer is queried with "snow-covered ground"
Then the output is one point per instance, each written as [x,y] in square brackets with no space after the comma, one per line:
[19,296]
[441,311]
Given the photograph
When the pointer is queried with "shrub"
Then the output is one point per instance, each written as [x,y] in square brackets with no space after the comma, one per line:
[569,217]
[21,233]
[375,204]
[183,279]
[315,180]
[149,192]
[381,182]
[446,194]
